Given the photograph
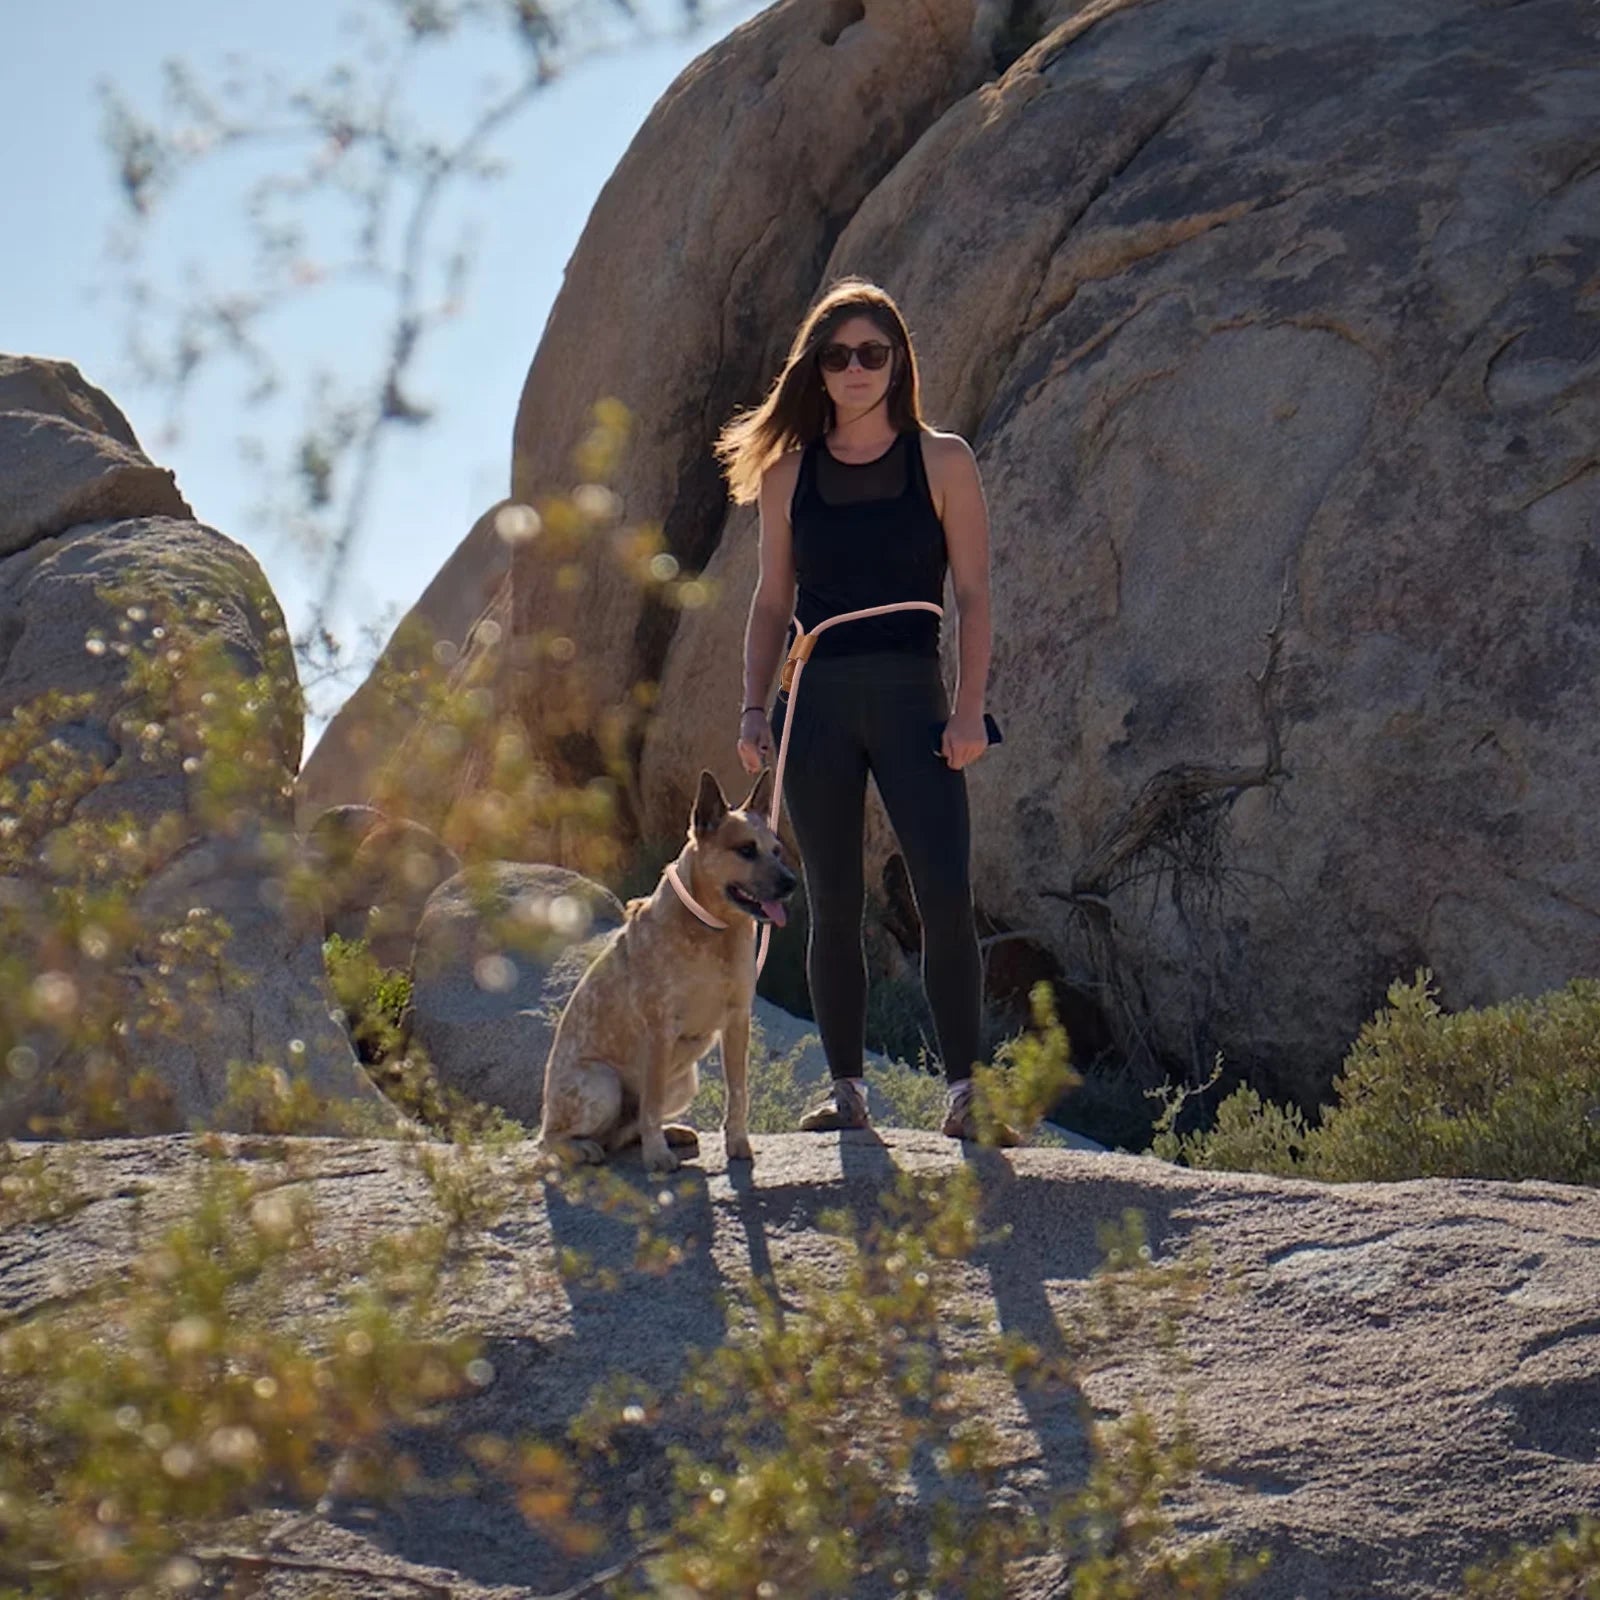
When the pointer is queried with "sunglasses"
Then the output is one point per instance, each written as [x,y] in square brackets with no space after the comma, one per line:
[836,357]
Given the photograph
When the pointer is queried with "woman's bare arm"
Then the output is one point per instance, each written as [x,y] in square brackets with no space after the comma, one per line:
[966,536]
[772,604]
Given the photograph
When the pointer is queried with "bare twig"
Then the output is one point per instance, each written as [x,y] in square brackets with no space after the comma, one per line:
[341,449]
[1182,803]
[1173,800]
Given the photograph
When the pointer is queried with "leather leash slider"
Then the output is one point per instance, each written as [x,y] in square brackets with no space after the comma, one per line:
[800,650]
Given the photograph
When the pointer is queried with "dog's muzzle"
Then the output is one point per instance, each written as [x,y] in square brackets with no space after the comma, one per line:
[764,910]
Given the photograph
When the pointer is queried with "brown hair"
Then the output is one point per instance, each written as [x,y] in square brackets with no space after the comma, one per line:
[797,408]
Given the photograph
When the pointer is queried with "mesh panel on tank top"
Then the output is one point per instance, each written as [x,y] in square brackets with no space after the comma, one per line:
[845,483]
[865,534]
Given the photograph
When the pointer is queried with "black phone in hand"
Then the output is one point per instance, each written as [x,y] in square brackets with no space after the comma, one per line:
[990,726]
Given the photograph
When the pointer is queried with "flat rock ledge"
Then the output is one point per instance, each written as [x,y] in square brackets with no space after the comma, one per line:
[1403,1379]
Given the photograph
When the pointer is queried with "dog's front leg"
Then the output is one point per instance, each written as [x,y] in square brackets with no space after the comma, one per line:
[658,1155]
[736,1077]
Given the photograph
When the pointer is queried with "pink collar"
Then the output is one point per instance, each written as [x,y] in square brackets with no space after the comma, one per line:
[689,900]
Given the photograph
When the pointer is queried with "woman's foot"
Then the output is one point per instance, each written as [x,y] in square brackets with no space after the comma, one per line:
[961,1123]
[844,1106]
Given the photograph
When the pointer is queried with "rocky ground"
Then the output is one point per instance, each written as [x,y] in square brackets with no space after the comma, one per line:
[1401,1380]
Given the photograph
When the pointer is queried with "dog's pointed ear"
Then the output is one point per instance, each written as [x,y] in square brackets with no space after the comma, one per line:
[760,796]
[710,805]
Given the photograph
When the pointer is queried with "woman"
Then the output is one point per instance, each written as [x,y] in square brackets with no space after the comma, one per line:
[862,504]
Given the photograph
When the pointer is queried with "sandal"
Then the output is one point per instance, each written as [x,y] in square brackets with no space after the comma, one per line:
[960,1123]
[844,1106]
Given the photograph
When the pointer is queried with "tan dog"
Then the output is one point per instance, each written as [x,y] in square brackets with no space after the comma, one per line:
[626,1052]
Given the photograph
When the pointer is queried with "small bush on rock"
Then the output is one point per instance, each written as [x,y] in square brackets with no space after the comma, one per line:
[1510,1091]
[1567,1568]
[373,1000]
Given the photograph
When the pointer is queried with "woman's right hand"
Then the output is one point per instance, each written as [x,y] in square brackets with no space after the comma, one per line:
[755,740]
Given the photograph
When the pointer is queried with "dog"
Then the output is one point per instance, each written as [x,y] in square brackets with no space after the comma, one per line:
[627,1047]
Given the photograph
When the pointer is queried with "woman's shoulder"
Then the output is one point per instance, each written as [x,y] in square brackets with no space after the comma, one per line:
[944,455]
[942,445]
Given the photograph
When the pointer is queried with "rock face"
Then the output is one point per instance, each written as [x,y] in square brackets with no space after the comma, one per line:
[262,998]
[1357,361]
[1388,1382]
[1249,307]
[1261,315]
[741,180]
[359,744]
[484,1002]
[376,874]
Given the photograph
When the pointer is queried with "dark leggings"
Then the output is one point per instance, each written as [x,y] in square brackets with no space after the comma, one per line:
[873,712]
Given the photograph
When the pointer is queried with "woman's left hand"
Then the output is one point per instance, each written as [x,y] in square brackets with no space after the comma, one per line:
[965,739]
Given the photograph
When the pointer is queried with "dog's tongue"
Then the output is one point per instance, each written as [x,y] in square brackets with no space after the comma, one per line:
[775,912]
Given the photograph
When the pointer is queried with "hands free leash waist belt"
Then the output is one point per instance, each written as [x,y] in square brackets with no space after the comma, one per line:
[799,654]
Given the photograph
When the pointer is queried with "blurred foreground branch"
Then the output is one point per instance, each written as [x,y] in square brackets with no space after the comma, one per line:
[344,188]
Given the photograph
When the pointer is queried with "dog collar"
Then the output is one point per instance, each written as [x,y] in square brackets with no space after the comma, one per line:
[689,900]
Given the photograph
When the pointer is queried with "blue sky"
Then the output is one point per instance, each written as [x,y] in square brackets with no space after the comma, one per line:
[57,279]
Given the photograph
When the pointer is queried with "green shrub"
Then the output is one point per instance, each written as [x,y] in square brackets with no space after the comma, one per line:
[1249,1134]
[1028,1075]
[374,1000]
[1567,1568]
[1510,1091]
[167,1399]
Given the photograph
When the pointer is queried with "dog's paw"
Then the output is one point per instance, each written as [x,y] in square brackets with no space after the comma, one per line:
[739,1147]
[661,1159]
[680,1136]
[576,1152]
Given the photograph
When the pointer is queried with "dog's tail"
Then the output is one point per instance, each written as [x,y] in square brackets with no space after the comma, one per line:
[557,1058]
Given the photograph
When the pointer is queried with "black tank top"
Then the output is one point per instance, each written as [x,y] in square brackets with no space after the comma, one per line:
[866,534]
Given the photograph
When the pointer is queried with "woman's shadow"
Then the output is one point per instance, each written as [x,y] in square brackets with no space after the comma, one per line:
[1039,1230]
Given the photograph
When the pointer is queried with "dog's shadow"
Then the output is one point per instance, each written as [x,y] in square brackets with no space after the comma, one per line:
[748,1196]
[643,1292]
[622,1233]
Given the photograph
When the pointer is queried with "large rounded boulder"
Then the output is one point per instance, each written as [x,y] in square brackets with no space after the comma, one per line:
[1275,327]
[147,660]
[499,950]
